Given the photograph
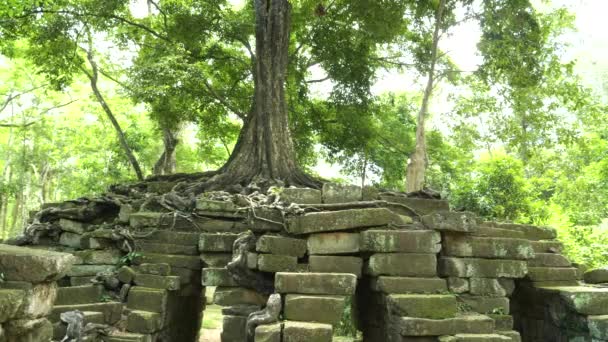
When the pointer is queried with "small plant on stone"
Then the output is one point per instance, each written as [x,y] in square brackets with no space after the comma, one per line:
[498,311]
[105,299]
[2,278]
[464,307]
[127,260]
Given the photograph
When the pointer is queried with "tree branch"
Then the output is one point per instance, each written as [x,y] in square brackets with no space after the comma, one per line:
[11,97]
[223,101]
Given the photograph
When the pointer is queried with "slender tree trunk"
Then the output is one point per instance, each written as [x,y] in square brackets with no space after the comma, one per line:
[93,77]
[416,168]
[264,152]
[166,163]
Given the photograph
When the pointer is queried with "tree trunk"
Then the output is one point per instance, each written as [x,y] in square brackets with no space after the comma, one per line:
[416,168]
[264,152]
[166,163]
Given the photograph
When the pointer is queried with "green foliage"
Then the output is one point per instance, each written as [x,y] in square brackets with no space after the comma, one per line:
[127,260]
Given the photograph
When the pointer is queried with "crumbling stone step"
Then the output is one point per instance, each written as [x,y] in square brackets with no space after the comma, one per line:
[482,268]
[281,245]
[230,296]
[305,331]
[128,337]
[166,248]
[475,338]
[212,242]
[583,299]
[336,264]
[408,285]
[33,265]
[489,231]
[10,302]
[143,322]
[185,261]
[530,232]
[414,241]
[328,221]
[450,221]
[172,237]
[315,283]
[169,283]
[552,273]
[147,299]
[423,305]
[463,324]
[60,328]
[79,294]
[422,206]
[111,310]
[88,270]
[98,257]
[402,264]
[483,247]
[314,308]
[549,260]
[486,305]
[547,246]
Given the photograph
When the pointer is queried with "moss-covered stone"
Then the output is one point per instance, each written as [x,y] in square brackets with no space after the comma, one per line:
[306,332]
[99,257]
[167,248]
[147,299]
[143,322]
[531,232]
[268,332]
[547,246]
[314,308]
[333,243]
[422,206]
[27,330]
[216,259]
[335,264]
[490,287]
[161,269]
[502,322]
[220,242]
[423,305]
[475,338]
[33,265]
[471,324]
[483,247]
[552,273]
[112,311]
[79,294]
[185,261]
[583,299]
[340,193]
[406,241]
[234,328]
[316,283]
[277,263]
[458,285]
[408,285]
[549,260]
[10,302]
[229,296]
[472,267]
[301,195]
[486,305]
[74,226]
[598,327]
[327,221]
[126,274]
[217,277]
[596,276]
[169,283]
[450,221]
[275,244]
[38,298]
[88,270]
[402,264]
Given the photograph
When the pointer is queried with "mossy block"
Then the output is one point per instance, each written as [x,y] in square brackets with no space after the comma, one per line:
[550,260]
[185,261]
[268,332]
[72,226]
[216,259]
[408,285]
[80,281]
[33,265]
[70,240]
[486,305]
[275,244]
[79,294]
[422,206]
[162,269]
[552,273]
[301,195]
[99,257]
[424,305]
[531,232]
[10,302]
[488,268]
[502,322]
[128,337]
[340,193]
[216,242]
[143,322]
[387,241]
[598,327]
[402,264]
[491,231]
[584,300]
[306,332]
[112,311]
[547,246]
[450,221]
[596,276]
[25,330]
[169,283]
[88,270]
[126,274]
[327,221]
[277,263]
[167,248]
[333,243]
[229,296]
[315,283]
[475,338]
[491,287]
[217,277]
[458,285]
[335,264]
[147,299]
[234,328]
[485,247]
[467,324]
[314,308]
[38,298]
[172,237]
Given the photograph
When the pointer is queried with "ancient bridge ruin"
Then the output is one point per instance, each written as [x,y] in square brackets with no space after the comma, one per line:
[399,269]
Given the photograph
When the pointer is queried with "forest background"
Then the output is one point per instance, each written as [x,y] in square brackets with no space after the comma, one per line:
[94,93]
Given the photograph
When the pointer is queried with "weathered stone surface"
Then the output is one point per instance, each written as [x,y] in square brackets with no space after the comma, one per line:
[79,294]
[243,310]
[491,248]
[88,270]
[471,267]
[413,241]
[458,285]
[301,195]
[38,298]
[475,338]
[598,327]
[252,260]
[88,242]
[275,244]
[216,259]
[74,226]
[268,333]
[450,221]
[147,299]
[99,257]
[162,269]
[205,204]
[222,242]
[491,231]
[277,263]
[10,302]
[80,281]
[333,243]
[490,287]
[423,305]
[335,264]
[33,265]
[549,260]
[70,240]
[217,277]
[111,310]
[185,261]
[328,221]
[234,328]
[531,232]
[408,285]
[126,274]
[402,264]
[422,206]
[167,248]
[596,276]
[341,193]
[472,324]
[26,330]
[552,273]
[229,296]
[172,237]
[585,300]
[314,308]
[170,283]
[502,322]
[487,304]
[546,246]
[306,332]
[316,283]
[143,322]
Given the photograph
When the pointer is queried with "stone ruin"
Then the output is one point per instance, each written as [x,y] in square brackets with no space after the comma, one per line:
[290,265]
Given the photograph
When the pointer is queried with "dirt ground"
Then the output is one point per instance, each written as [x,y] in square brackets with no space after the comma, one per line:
[210,335]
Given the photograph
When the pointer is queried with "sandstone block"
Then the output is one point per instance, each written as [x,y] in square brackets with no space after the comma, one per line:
[596,276]
[470,267]
[147,299]
[275,244]
[185,261]
[301,195]
[306,332]
[333,243]
[217,277]
[38,299]
[584,300]
[598,327]
[458,285]
[79,294]
[408,285]
[327,221]
[547,246]
[403,264]
[277,263]
[143,322]
[450,221]
[549,260]
[491,248]
[422,206]
[531,232]
[472,324]
[490,287]
[229,296]
[169,283]
[70,240]
[72,226]
[99,257]
[335,264]
[216,259]
[10,302]
[423,305]
[234,328]
[222,242]
[268,333]
[412,241]
[486,230]
[126,274]
[25,330]
[88,270]
[552,273]
[162,269]
[475,338]
[341,193]
[502,322]
[167,248]
[314,308]
[487,305]
[316,283]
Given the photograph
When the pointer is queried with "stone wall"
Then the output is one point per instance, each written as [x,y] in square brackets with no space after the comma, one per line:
[292,265]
